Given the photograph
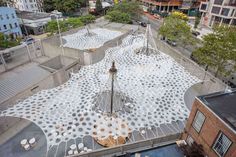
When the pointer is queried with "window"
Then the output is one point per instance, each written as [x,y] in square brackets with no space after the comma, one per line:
[221,144]
[10,26]
[198,121]
[218,2]
[13,16]
[215,10]
[203,7]
[5,26]
[7,16]
[1,17]
[225,11]
[189,140]
[16,25]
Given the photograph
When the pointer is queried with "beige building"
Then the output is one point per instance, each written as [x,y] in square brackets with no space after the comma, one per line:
[218,12]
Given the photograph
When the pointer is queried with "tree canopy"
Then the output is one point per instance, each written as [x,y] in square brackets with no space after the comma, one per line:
[69,23]
[67,6]
[6,41]
[219,50]
[129,7]
[179,15]
[98,6]
[125,11]
[117,16]
[176,29]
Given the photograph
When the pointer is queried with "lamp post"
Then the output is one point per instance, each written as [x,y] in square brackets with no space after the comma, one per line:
[59,31]
[113,72]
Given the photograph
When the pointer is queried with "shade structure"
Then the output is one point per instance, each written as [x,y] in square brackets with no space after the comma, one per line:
[110,99]
[149,46]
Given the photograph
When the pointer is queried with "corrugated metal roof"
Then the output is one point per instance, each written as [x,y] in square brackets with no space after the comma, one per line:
[12,86]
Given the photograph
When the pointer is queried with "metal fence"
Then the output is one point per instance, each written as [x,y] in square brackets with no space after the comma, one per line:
[19,55]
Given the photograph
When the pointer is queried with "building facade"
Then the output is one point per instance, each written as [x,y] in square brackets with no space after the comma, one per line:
[218,12]
[9,24]
[163,5]
[212,123]
[28,5]
[33,23]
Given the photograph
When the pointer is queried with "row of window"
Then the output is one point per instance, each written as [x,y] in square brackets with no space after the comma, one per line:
[11,26]
[29,1]
[7,16]
[224,11]
[32,6]
[222,142]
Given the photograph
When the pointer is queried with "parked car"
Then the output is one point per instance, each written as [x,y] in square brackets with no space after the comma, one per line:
[28,41]
[7,57]
[157,16]
[171,42]
[143,24]
[195,33]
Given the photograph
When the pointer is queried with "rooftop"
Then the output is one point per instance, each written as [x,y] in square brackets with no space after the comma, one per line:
[224,105]
[32,15]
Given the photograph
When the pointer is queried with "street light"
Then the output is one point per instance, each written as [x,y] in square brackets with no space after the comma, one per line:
[59,31]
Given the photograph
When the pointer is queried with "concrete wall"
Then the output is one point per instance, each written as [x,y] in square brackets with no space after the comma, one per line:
[209,131]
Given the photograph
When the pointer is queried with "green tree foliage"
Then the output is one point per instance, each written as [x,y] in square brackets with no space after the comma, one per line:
[219,50]
[176,29]
[197,21]
[48,5]
[6,41]
[117,16]
[87,18]
[179,15]
[98,6]
[65,6]
[131,8]
[69,23]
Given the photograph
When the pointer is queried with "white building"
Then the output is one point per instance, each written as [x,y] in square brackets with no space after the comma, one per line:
[33,22]
[218,11]
[28,5]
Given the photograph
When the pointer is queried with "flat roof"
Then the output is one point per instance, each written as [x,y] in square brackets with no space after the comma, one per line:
[32,15]
[19,82]
[222,104]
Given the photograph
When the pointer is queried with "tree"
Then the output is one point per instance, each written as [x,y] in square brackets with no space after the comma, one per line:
[6,41]
[131,8]
[98,6]
[117,16]
[219,50]
[179,15]
[48,5]
[197,20]
[68,6]
[194,150]
[176,29]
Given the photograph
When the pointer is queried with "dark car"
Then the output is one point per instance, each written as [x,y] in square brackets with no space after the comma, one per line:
[195,33]
[143,24]
[171,42]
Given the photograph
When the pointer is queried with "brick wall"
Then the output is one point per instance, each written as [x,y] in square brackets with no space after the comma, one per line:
[209,131]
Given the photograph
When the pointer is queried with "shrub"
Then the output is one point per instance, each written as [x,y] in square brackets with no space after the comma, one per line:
[117,16]
[87,18]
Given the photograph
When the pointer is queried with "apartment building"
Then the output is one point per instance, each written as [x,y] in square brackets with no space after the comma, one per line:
[28,5]
[218,12]
[212,123]
[163,5]
[8,22]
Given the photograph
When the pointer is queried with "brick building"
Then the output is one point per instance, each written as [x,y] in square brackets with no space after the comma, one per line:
[212,123]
